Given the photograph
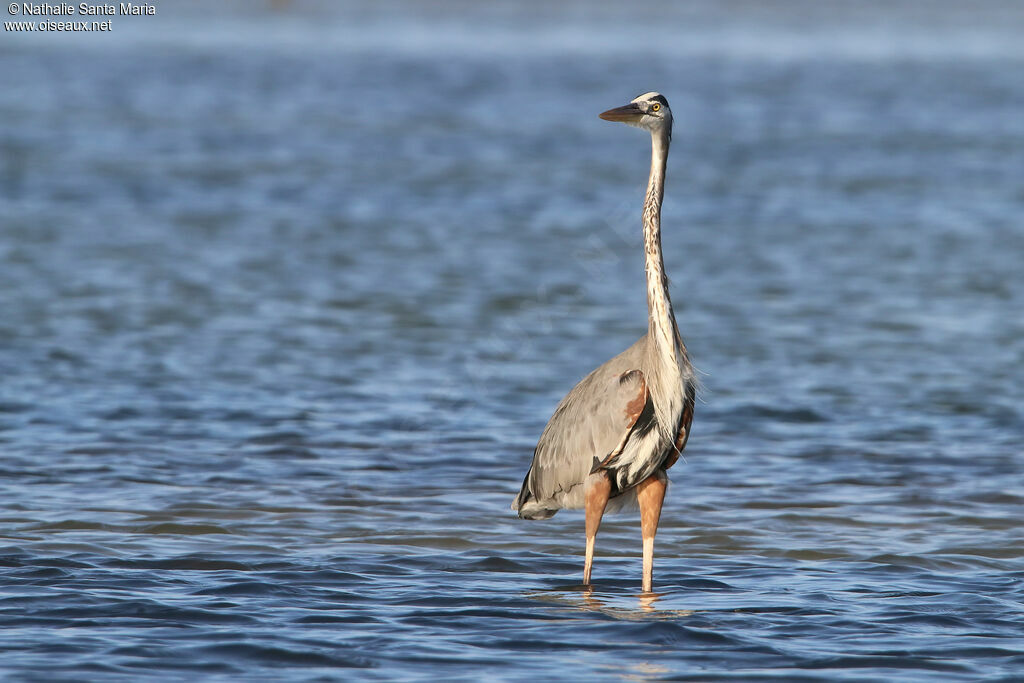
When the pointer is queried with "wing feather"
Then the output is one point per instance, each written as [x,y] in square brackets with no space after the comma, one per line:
[590,427]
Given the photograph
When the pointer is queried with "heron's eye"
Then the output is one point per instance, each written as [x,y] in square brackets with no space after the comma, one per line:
[655,107]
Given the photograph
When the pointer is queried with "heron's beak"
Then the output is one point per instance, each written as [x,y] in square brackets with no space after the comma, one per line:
[631,113]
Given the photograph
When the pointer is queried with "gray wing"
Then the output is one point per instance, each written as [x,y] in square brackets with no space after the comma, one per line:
[589,429]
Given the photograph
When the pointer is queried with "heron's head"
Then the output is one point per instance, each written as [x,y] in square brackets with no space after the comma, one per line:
[649,111]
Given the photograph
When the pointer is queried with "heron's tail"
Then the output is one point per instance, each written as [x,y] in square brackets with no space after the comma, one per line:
[527,506]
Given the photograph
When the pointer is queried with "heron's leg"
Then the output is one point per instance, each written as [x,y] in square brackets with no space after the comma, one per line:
[598,490]
[650,494]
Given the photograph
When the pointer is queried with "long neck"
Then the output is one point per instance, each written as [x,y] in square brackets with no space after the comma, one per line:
[659,307]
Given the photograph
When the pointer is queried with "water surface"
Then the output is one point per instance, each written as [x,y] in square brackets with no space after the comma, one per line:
[288,295]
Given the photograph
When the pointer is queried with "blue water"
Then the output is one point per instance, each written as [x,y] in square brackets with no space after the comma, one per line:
[288,292]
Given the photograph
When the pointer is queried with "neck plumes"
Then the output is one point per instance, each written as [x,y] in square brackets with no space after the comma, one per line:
[662,322]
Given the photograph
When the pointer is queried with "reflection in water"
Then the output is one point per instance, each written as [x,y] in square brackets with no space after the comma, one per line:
[625,606]
[643,671]
[647,601]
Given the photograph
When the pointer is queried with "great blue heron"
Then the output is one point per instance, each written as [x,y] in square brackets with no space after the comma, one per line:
[613,436]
